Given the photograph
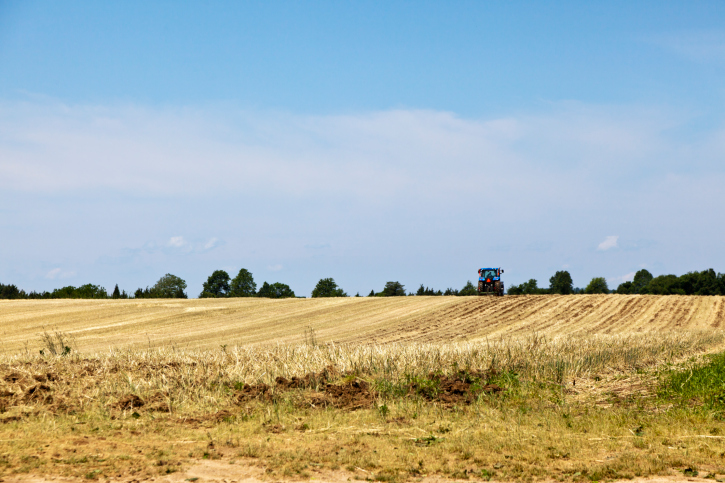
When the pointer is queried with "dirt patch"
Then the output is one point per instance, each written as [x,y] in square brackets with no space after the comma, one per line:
[129,401]
[39,393]
[351,395]
[15,377]
[460,388]
[254,391]
[158,402]
[311,380]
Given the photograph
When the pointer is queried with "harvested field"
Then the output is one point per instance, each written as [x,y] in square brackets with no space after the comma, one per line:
[210,323]
[403,389]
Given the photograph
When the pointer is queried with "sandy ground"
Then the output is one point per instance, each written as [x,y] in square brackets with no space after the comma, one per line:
[213,471]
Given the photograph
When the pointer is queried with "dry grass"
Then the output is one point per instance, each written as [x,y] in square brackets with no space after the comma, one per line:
[79,415]
[209,323]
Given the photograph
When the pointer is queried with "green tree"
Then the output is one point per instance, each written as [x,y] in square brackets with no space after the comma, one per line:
[217,285]
[327,287]
[393,289]
[372,293]
[9,292]
[641,279]
[169,287]
[625,288]
[664,285]
[243,285]
[527,288]
[561,283]
[275,291]
[116,293]
[468,289]
[597,285]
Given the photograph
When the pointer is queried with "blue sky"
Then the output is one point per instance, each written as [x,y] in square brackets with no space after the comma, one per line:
[365,141]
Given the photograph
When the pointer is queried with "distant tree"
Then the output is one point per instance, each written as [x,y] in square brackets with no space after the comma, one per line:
[625,288]
[561,283]
[527,288]
[217,285]
[530,288]
[597,285]
[664,285]
[357,294]
[87,291]
[327,287]
[641,279]
[450,291]
[169,287]
[427,291]
[275,291]
[372,293]
[116,293]
[393,289]
[706,282]
[468,289]
[243,285]
[9,292]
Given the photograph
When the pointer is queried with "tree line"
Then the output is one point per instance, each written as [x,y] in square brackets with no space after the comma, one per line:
[706,282]
[219,285]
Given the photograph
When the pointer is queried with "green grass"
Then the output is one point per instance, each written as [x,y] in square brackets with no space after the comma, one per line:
[701,384]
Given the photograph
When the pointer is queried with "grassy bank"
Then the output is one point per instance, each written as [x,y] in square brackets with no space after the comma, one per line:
[569,408]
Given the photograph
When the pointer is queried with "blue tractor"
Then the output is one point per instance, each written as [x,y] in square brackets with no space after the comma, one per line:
[489,281]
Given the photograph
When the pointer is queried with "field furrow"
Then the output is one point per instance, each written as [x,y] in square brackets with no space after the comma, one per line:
[102,324]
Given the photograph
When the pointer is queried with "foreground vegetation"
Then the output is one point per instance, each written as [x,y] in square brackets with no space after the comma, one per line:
[592,408]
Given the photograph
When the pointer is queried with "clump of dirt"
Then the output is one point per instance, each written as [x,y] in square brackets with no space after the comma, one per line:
[15,377]
[311,380]
[351,395]
[39,393]
[158,402]
[460,388]
[254,391]
[129,401]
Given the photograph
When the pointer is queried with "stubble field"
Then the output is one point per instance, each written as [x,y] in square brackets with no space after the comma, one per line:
[577,388]
[209,323]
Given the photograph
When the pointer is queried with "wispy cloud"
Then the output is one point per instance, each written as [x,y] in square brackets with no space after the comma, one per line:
[58,273]
[213,242]
[698,46]
[608,243]
[370,157]
[176,241]
[627,277]
[275,268]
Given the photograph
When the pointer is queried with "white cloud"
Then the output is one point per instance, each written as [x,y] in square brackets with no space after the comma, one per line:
[58,273]
[275,268]
[628,277]
[177,241]
[608,243]
[372,157]
[213,242]
[53,273]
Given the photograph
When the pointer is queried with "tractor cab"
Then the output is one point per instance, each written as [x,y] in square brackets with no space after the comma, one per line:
[489,281]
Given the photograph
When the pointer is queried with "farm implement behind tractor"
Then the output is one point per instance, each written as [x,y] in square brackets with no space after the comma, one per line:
[489,281]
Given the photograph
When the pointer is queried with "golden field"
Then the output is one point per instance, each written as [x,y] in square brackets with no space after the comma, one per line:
[430,389]
[210,323]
